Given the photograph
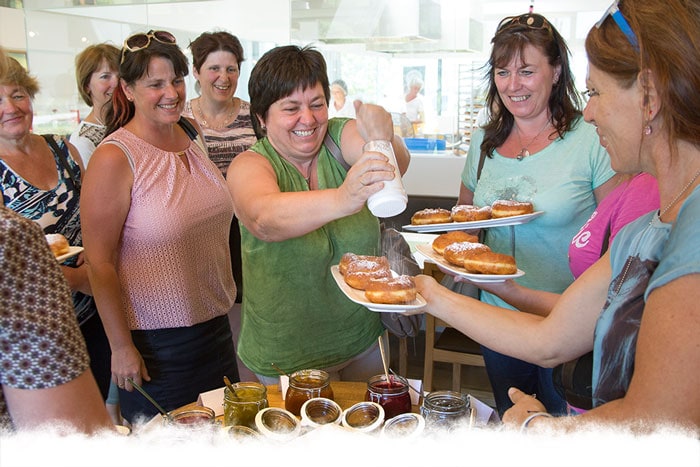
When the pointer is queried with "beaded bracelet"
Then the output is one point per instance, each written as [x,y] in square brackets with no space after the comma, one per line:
[531,417]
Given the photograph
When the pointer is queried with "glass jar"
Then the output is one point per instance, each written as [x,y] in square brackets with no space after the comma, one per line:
[444,409]
[198,415]
[240,408]
[305,385]
[392,395]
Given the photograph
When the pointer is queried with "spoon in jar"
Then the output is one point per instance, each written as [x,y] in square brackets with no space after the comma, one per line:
[230,387]
[162,411]
[386,368]
[279,370]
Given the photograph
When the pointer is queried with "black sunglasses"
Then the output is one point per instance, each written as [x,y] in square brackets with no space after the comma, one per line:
[140,41]
[529,20]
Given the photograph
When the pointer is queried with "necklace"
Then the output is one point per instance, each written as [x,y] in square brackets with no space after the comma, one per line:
[678,196]
[524,152]
[204,122]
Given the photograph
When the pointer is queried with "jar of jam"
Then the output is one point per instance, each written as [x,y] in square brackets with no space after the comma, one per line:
[197,415]
[445,409]
[305,385]
[241,406]
[392,395]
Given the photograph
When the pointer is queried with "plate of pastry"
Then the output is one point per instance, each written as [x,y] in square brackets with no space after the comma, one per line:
[427,250]
[60,248]
[359,296]
[501,213]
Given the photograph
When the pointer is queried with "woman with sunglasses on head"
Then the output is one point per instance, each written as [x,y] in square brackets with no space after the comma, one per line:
[223,118]
[41,180]
[637,307]
[156,235]
[97,74]
[536,148]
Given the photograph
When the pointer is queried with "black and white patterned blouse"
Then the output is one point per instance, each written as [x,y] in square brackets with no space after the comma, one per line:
[40,343]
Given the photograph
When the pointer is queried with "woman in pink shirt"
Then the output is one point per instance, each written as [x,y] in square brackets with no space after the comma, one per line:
[156,223]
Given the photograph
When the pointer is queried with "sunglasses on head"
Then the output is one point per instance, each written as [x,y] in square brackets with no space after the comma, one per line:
[140,41]
[614,12]
[529,20]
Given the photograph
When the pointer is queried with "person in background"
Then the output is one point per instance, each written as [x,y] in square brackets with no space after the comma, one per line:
[636,308]
[223,118]
[69,395]
[340,105]
[96,71]
[537,148]
[41,179]
[300,211]
[156,224]
[415,109]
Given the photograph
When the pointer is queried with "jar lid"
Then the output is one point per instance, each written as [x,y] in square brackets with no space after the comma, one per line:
[320,411]
[276,423]
[405,425]
[364,417]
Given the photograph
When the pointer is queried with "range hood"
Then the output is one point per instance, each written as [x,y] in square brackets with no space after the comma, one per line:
[391,26]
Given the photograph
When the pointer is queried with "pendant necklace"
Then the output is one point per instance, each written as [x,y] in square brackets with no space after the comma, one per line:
[204,122]
[679,195]
[524,152]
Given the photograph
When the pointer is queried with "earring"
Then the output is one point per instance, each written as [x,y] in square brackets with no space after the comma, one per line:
[647,128]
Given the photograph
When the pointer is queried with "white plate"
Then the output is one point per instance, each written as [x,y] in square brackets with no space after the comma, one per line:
[499,222]
[72,251]
[426,250]
[358,296]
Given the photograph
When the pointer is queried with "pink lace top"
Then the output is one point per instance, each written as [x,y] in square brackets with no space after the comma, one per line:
[174,262]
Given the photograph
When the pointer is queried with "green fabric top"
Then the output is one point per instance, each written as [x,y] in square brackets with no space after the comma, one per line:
[293,313]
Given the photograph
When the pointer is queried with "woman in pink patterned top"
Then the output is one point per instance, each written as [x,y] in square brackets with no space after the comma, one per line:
[156,223]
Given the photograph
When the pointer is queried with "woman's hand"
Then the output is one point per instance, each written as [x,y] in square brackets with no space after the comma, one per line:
[77,277]
[364,179]
[524,405]
[127,363]
[373,122]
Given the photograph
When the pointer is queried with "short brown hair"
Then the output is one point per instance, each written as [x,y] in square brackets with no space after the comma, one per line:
[16,75]
[88,61]
[209,42]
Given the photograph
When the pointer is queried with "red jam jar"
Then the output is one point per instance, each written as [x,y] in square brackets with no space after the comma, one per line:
[305,385]
[392,395]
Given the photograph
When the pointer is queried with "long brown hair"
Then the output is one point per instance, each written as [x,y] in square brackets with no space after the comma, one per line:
[668,33]
[564,102]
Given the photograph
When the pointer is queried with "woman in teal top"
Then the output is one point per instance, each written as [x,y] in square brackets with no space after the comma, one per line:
[537,148]
[300,211]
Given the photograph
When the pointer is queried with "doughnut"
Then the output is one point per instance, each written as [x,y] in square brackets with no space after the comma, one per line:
[507,208]
[361,271]
[441,241]
[391,290]
[455,253]
[431,216]
[489,262]
[469,213]
[348,258]
[58,244]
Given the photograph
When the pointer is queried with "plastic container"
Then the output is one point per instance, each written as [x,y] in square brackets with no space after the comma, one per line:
[392,395]
[305,385]
[392,199]
[240,408]
[425,144]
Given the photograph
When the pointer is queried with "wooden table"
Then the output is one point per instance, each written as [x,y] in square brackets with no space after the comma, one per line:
[345,393]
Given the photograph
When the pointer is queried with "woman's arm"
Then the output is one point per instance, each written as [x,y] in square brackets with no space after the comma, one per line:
[107,200]
[664,385]
[272,215]
[77,403]
[538,302]
[566,333]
